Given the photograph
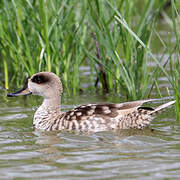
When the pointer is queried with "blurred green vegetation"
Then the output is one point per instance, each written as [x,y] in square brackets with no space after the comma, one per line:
[113,37]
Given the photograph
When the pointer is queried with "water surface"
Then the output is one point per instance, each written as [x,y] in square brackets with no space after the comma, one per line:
[127,154]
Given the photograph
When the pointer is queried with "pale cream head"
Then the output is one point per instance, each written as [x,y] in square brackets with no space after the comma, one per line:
[46,84]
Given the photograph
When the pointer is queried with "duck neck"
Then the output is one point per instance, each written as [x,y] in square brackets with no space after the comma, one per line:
[52,103]
[47,113]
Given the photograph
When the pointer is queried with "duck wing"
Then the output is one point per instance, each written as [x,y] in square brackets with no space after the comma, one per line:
[110,110]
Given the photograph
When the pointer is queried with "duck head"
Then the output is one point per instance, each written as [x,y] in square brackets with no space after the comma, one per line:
[46,84]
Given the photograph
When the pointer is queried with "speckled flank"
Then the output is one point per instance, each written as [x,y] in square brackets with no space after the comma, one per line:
[85,118]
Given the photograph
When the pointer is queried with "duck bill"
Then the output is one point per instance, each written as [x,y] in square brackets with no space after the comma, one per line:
[22,92]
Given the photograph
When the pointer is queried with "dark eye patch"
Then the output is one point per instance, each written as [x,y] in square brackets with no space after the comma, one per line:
[39,79]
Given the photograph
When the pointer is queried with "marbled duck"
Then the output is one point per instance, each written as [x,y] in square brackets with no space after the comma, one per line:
[85,118]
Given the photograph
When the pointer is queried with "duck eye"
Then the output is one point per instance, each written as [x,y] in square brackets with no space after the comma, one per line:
[39,79]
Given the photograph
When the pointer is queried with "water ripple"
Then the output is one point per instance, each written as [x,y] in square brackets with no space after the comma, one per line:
[126,154]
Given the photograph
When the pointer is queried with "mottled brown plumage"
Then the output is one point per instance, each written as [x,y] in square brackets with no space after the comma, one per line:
[85,118]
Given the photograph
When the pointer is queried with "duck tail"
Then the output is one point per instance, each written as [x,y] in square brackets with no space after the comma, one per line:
[161,107]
